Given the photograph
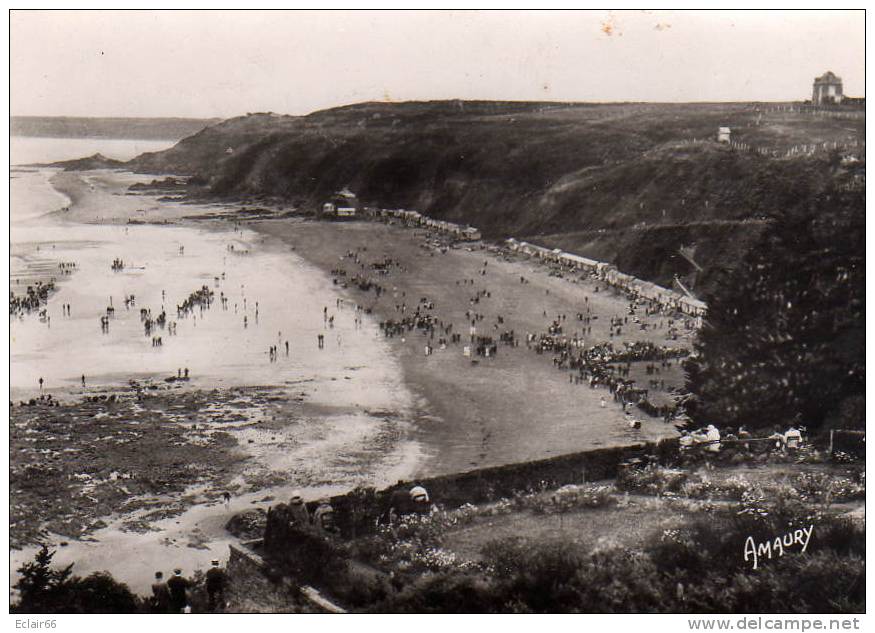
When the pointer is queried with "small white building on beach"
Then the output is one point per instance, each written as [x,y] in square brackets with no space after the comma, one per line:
[471,234]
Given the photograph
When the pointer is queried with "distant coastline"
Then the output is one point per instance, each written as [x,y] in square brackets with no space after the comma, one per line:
[146,129]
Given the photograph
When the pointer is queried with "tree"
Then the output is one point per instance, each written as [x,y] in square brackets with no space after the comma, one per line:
[101,593]
[41,588]
[785,331]
[46,590]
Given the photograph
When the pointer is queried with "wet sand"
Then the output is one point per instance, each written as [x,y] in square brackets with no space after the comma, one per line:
[514,407]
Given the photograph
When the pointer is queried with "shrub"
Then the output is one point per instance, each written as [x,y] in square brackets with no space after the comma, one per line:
[653,480]
[826,489]
[697,568]
[698,489]
[101,593]
[46,590]
[841,535]
[357,591]
[570,498]
[818,582]
[444,593]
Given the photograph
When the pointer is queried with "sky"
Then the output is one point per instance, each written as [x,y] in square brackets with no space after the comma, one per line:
[227,63]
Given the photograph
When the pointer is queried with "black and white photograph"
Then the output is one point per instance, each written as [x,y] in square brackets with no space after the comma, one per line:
[437,311]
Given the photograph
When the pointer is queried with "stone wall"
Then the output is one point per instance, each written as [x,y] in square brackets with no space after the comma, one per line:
[357,512]
[251,589]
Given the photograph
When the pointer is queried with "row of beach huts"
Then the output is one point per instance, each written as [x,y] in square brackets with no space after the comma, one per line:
[608,273]
[345,206]
[601,270]
[415,218]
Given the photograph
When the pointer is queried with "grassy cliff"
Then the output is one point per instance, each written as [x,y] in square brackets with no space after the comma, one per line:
[630,183]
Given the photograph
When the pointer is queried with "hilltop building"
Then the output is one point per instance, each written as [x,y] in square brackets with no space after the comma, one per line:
[827,89]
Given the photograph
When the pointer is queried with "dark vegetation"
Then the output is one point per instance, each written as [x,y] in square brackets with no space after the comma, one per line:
[785,333]
[697,569]
[43,589]
[696,566]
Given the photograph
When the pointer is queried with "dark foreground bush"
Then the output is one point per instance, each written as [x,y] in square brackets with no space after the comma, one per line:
[446,592]
[696,569]
[46,590]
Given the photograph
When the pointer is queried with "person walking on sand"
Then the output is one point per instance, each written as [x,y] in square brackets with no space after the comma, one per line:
[41,383]
[226,496]
[83,380]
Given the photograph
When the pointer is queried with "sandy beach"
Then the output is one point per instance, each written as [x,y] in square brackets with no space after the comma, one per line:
[511,408]
[316,420]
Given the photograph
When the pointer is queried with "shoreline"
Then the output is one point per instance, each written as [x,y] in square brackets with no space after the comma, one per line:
[510,408]
[450,420]
[434,382]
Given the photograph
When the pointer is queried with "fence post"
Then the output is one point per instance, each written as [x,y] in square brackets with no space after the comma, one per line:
[831,431]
